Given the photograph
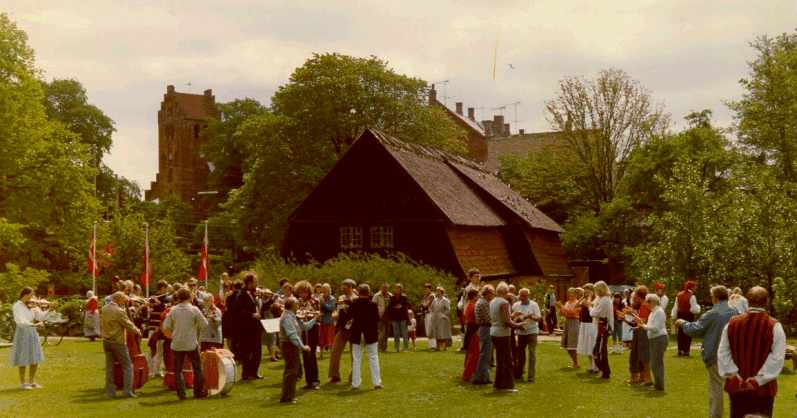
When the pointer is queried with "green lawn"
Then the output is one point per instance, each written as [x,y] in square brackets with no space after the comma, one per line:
[416,384]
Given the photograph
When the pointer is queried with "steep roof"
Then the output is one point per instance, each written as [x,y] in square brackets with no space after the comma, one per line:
[472,125]
[460,188]
[194,106]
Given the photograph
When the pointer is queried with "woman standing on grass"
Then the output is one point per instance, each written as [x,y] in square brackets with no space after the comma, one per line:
[500,333]
[472,355]
[441,319]
[27,350]
[327,327]
[571,311]
[656,327]
[603,314]
[586,328]
[91,317]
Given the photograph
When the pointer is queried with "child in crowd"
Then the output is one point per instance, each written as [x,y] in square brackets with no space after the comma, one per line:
[411,327]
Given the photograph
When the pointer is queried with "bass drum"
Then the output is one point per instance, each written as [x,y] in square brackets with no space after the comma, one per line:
[140,373]
[218,368]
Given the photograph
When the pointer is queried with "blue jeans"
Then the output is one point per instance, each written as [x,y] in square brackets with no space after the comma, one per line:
[117,352]
[400,330]
[482,375]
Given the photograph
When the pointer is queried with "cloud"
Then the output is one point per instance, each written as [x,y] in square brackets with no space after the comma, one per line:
[689,54]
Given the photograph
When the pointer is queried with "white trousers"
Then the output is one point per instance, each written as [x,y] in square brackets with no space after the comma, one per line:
[156,361]
[427,325]
[373,363]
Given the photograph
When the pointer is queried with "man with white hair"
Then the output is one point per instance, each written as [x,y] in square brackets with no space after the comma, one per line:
[528,312]
[115,323]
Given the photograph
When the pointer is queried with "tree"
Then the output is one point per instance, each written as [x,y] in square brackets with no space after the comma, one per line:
[766,115]
[602,121]
[314,118]
[66,101]
[41,161]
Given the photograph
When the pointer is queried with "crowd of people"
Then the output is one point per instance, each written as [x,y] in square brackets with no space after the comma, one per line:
[743,348]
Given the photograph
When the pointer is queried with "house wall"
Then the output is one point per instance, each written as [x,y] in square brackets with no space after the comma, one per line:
[548,252]
[482,248]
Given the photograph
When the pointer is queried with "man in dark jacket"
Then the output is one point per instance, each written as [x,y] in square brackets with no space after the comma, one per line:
[364,329]
[248,330]
[398,311]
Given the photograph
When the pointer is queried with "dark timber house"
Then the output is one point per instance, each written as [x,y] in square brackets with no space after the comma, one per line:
[385,195]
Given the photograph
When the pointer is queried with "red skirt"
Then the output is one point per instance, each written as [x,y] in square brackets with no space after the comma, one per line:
[326,336]
[471,357]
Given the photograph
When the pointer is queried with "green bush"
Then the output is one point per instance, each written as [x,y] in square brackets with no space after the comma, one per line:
[369,268]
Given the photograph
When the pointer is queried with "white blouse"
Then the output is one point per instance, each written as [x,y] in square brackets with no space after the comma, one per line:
[604,308]
[657,323]
[23,316]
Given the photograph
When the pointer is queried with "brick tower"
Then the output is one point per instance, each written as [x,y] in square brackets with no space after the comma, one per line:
[182,170]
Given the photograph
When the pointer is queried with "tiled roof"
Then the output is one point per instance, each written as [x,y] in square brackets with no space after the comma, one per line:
[471,124]
[463,190]
[518,145]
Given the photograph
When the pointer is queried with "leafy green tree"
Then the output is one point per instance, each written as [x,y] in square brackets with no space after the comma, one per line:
[41,162]
[66,101]
[602,122]
[766,115]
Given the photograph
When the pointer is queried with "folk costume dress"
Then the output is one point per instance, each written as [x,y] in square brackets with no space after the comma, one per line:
[587,333]
[91,318]
[472,355]
[571,312]
[27,349]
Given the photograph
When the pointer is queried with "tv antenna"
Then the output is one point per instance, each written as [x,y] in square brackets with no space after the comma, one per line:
[445,90]
[514,105]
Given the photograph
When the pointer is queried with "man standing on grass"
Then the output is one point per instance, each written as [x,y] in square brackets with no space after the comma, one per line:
[527,311]
[482,314]
[183,325]
[382,300]
[115,324]
[248,328]
[710,326]
[750,357]
[291,345]
[342,328]
[398,312]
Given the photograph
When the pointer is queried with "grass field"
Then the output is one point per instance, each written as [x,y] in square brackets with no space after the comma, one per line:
[421,384]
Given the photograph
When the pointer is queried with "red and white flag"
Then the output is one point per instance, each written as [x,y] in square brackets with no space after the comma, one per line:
[202,275]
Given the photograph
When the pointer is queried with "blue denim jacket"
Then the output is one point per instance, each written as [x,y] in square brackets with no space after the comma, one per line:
[710,326]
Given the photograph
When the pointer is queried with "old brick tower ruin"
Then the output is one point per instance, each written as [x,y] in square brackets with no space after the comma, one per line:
[182,170]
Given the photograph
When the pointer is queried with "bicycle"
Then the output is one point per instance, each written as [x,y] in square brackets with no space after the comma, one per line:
[54,328]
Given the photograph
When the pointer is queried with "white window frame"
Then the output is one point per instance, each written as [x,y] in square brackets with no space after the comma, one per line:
[382,237]
[351,237]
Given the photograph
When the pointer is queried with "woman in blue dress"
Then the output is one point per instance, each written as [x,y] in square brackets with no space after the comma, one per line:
[27,350]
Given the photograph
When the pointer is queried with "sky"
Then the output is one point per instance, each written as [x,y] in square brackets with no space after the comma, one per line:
[689,54]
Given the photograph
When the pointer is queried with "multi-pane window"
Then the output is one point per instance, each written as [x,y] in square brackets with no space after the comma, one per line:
[381,236]
[351,237]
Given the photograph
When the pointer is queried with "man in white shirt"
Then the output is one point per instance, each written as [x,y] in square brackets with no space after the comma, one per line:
[183,325]
[526,310]
[750,357]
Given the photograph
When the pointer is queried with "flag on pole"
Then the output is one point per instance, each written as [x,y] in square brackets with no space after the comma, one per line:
[145,275]
[202,275]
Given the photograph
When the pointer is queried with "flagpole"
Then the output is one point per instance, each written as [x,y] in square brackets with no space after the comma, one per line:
[207,257]
[146,257]
[94,259]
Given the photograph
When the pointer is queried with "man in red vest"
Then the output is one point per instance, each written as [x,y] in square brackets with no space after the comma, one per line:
[750,357]
[685,308]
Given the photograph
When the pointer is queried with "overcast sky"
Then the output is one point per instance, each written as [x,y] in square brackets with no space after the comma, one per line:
[690,54]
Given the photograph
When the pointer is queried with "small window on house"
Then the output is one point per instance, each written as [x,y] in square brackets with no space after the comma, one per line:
[381,236]
[351,237]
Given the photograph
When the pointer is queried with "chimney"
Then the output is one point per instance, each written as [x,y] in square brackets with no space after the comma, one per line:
[498,125]
[506,129]
[459,108]
[432,96]
[209,92]
[169,89]
[472,114]
[488,128]
[522,132]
